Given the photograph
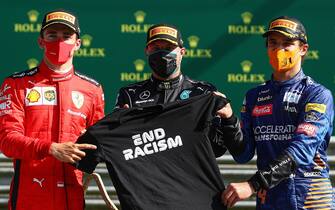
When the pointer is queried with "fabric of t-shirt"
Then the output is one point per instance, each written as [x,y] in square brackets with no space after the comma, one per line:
[159,157]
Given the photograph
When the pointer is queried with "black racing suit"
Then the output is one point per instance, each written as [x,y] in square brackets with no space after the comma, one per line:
[224,133]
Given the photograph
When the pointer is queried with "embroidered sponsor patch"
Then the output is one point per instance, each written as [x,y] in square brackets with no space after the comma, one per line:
[185,94]
[77,99]
[60,184]
[145,101]
[79,114]
[41,96]
[25,73]
[50,95]
[145,95]
[265,98]
[321,108]
[264,92]
[33,96]
[291,109]
[311,117]
[4,89]
[5,100]
[292,97]
[5,105]
[262,110]
[307,129]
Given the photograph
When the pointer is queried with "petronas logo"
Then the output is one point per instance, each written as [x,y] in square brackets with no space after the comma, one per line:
[32,63]
[33,15]
[247,17]
[193,41]
[139,65]
[139,16]
[86,40]
[246,66]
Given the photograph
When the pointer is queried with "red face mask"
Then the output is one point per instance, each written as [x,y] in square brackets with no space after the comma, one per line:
[58,52]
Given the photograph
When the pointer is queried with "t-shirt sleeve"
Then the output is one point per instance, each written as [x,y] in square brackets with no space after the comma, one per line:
[92,157]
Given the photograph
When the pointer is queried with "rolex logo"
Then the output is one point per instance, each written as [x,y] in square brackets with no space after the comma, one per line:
[246,28]
[86,40]
[139,16]
[312,55]
[87,50]
[245,76]
[193,41]
[246,17]
[29,27]
[194,51]
[33,15]
[138,75]
[139,65]
[246,66]
[139,26]
[32,63]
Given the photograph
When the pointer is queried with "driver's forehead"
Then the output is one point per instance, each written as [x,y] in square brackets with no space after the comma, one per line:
[55,28]
[278,37]
[161,44]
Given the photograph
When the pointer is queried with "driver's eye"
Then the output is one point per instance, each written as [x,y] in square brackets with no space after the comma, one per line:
[51,36]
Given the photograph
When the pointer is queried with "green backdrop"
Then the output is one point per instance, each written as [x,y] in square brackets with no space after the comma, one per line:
[222,37]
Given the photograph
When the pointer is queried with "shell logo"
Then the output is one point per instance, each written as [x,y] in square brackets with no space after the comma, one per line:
[33,96]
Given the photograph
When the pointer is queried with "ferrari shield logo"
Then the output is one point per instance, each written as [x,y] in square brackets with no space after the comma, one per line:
[77,99]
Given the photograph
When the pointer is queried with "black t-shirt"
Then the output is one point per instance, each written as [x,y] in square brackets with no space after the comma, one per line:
[159,157]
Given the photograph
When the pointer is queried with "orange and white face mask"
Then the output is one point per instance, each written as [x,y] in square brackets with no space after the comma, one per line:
[282,60]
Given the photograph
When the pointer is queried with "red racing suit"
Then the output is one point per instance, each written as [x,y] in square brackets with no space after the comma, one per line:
[39,107]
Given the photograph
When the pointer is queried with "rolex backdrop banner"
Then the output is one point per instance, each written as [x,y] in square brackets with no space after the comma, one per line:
[222,38]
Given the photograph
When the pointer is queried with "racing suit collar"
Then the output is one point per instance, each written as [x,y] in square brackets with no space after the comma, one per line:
[299,76]
[54,76]
[166,85]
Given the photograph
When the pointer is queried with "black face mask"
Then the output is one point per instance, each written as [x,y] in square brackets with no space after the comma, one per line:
[163,63]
